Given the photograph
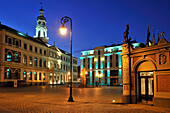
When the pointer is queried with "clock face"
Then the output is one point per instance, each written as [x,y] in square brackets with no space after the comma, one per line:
[39,22]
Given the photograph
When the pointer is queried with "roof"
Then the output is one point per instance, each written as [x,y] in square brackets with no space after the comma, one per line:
[26,36]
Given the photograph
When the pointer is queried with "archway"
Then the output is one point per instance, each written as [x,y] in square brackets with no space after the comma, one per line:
[144,72]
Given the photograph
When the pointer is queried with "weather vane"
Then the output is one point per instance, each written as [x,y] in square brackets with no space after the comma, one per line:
[41,4]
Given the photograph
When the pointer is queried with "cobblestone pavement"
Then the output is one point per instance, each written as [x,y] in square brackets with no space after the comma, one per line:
[47,99]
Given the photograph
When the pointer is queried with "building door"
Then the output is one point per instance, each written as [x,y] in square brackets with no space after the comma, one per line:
[146,86]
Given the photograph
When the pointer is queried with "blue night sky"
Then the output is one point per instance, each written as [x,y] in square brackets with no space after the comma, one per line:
[95,22]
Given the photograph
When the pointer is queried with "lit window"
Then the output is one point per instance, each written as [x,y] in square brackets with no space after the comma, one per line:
[35,61]
[25,75]
[9,56]
[16,57]
[35,75]
[30,75]
[8,74]
[30,61]
[25,60]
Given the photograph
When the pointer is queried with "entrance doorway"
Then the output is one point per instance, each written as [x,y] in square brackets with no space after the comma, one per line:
[146,86]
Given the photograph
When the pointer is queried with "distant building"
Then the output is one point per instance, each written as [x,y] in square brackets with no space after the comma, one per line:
[146,73]
[32,60]
[103,64]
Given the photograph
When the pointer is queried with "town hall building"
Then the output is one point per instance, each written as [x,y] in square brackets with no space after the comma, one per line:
[32,60]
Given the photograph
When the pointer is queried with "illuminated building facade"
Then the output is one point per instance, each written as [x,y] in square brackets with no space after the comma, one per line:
[103,64]
[32,60]
[146,73]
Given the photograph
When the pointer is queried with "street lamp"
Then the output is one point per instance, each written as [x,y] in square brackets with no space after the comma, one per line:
[63,31]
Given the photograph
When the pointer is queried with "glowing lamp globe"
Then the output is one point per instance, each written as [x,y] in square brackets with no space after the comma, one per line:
[63,30]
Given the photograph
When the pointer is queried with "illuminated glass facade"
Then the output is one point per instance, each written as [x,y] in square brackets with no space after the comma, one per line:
[103,64]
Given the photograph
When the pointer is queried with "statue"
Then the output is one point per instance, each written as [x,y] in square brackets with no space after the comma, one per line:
[125,34]
[162,34]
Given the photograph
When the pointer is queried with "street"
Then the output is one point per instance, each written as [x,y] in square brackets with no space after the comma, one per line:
[54,99]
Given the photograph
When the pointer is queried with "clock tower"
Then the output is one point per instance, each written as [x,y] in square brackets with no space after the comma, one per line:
[41,29]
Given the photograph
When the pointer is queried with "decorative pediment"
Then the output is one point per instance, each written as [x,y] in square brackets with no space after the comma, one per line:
[162,41]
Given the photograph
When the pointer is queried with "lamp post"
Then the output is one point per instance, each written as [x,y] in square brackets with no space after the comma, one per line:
[63,30]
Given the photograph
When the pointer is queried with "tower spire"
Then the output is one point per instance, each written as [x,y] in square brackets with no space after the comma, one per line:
[153,37]
[157,37]
[148,35]
[41,4]
[41,29]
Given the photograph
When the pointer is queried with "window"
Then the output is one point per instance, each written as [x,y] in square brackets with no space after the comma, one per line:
[113,72]
[25,46]
[44,52]
[44,63]
[24,75]
[98,62]
[8,74]
[30,75]
[9,56]
[17,43]
[40,63]
[30,48]
[39,76]
[35,75]
[35,61]
[98,52]
[54,65]
[30,61]
[116,60]
[64,67]
[111,61]
[38,33]
[25,60]
[9,40]
[16,57]
[16,74]
[105,61]
[40,51]
[36,49]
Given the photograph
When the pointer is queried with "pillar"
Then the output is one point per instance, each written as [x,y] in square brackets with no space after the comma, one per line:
[126,98]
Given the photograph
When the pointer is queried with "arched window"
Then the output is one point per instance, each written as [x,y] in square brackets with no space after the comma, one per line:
[9,56]
[24,75]
[30,61]
[16,57]
[39,33]
[39,76]
[30,75]
[40,62]
[25,60]
[16,74]
[8,74]
[35,61]
[35,75]
[44,63]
